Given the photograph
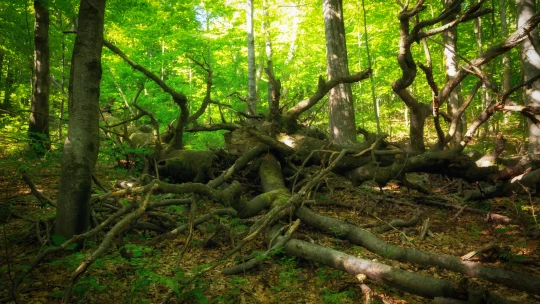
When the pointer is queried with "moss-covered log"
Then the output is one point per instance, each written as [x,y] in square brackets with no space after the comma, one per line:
[273,185]
[182,166]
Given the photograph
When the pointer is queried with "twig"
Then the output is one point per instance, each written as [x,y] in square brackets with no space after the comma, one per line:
[257,260]
[40,196]
[459,213]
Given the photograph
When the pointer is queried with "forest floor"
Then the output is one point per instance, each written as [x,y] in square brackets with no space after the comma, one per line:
[146,275]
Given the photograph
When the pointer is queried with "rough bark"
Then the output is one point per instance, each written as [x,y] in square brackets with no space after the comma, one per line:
[182,166]
[82,143]
[341,116]
[8,87]
[506,67]
[452,64]
[531,67]
[38,128]
[252,86]
[2,53]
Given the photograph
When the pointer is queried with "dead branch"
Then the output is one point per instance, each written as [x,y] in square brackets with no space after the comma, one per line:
[323,87]
[40,196]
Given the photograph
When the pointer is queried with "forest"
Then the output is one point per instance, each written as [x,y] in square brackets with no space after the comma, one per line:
[313,151]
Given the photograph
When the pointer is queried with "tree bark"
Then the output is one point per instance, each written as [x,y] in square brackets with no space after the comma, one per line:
[341,117]
[82,143]
[506,67]
[1,68]
[252,86]
[38,128]
[452,63]
[531,66]
[10,80]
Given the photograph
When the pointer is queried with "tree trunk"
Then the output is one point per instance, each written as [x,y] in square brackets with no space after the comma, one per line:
[506,67]
[273,85]
[82,142]
[341,118]
[531,67]
[38,128]
[10,80]
[452,65]
[1,66]
[252,87]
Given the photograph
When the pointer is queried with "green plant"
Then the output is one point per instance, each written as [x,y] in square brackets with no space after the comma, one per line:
[288,274]
[326,274]
[475,230]
[330,296]
[233,293]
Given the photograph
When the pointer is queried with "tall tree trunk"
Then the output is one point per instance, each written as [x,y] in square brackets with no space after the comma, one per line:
[1,66]
[373,98]
[451,62]
[8,88]
[252,86]
[506,63]
[273,97]
[506,67]
[531,67]
[82,143]
[341,117]
[38,129]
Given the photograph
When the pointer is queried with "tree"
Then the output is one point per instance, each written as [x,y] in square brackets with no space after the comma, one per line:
[82,143]
[252,87]
[506,66]
[451,61]
[341,119]
[530,59]
[39,114]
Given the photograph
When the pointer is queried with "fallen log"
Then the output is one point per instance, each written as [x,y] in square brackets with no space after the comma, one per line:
[366,239]
[403,280]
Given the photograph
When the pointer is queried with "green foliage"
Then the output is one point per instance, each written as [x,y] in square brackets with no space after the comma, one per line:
[338,297]
[325,274]
[474,230]
[233,292]
[288,275]
[237,225]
